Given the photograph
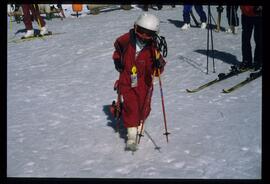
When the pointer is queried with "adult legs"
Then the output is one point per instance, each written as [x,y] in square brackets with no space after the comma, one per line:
[247,27]
[258,42]
[232,17]
[186,13]
[27,17]
[201,13]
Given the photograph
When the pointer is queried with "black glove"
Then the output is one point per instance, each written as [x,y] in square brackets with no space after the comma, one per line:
[220,9]
[158,63]
[119,66]
[258,10]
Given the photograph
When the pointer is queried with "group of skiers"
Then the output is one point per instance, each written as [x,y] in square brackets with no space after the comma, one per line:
[137,58]
[231,13]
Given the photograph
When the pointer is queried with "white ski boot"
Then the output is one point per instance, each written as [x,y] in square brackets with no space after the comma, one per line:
[29,33]
[131,142]
[203,25]
[43,31]
[186,26]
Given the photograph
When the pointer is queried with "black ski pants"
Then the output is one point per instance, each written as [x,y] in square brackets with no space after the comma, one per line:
[250,24]
[232,17]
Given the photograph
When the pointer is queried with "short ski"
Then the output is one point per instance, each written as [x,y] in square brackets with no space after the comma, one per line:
[37,35]
[222,76]
[251,77]
[22,39]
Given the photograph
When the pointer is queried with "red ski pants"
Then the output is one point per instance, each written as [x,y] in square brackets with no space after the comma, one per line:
[35,13]
[136,107]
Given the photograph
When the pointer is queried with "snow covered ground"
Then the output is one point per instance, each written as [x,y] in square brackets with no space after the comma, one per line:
[59,89]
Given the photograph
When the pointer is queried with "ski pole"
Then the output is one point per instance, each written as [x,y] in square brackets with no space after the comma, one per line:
[163,106]
[207,51]
[118,111]
[10,24]
[148,94]
[37,18]
[36,9]
[212,43]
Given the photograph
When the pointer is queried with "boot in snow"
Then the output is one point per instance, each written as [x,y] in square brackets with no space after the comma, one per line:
[43,31]
[203,25]
[29,33]
[131,142]
[185,26]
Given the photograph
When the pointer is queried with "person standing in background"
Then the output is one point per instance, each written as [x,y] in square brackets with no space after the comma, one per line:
[251,21]
[28,20]
[186,16]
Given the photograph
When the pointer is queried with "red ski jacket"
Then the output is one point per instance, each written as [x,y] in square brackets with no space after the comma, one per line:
[137,100]
[250,11]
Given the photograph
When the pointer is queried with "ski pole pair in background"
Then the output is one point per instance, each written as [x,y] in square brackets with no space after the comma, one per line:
[138,60]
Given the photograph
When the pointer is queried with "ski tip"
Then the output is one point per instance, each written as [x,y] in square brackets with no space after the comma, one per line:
[225,91]
[190,91]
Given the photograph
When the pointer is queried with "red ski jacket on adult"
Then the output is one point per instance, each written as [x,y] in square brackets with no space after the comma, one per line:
[251,11]
[137,100]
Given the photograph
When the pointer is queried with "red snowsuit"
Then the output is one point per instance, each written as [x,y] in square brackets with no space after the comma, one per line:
[35,13]
[137,100]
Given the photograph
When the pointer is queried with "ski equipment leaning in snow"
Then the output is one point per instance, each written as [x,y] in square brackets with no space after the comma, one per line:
[219,10]
[134,60]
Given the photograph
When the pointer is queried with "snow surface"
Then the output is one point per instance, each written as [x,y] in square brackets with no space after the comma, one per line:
[59,90]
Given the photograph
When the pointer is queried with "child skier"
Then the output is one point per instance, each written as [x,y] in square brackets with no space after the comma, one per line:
[136,57]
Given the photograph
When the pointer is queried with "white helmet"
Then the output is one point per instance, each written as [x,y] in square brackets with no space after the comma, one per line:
[148,21]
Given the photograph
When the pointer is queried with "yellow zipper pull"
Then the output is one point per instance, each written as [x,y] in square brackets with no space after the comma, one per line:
[134,70]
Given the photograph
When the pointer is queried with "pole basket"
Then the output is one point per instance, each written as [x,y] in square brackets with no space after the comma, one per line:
[166,133]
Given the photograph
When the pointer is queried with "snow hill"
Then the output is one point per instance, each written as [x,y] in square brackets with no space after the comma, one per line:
[59,90]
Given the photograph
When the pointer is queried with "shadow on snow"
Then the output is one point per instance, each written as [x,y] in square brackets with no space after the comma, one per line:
[223,56]
[113,123]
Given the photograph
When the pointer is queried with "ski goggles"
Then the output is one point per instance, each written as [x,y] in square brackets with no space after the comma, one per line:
[143,33]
